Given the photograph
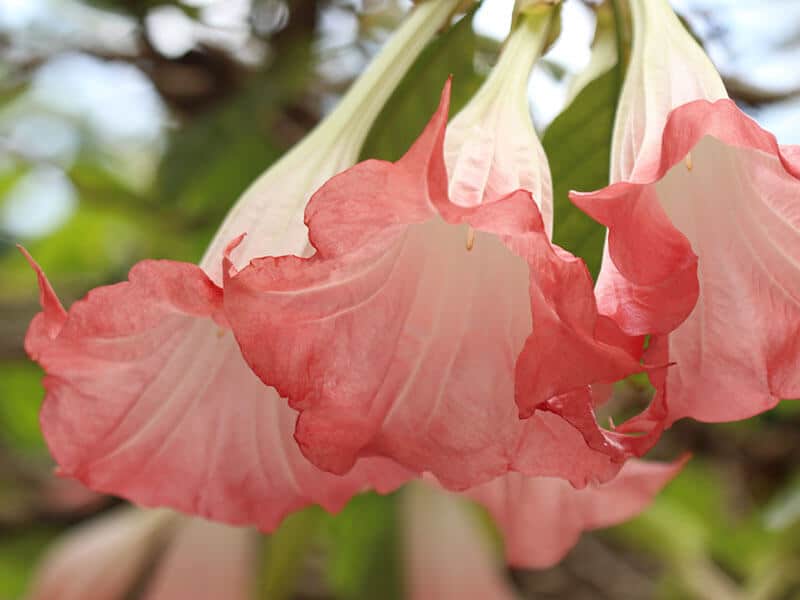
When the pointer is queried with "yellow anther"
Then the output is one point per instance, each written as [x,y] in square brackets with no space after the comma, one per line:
[688,161]
[470,238]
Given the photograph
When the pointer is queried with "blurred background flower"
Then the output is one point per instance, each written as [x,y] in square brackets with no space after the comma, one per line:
[129,127]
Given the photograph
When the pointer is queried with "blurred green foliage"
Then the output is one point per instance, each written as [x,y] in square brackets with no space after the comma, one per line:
[364,543]
[408,109]
[21,393]
[18,557]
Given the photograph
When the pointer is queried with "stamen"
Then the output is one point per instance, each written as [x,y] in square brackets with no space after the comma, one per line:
[470,238]
[689,162]
[220,332]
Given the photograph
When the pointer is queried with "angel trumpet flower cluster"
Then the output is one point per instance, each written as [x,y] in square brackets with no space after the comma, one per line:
[415,319]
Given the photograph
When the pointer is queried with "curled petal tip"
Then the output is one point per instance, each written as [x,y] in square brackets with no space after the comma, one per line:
[47,324]
[228,268]
[233,244]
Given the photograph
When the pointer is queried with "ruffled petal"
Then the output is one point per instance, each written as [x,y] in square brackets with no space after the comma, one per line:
[103,559]
[206,561]
[402,348]
[148,398]
[550,446]
[542,518]
[633,438]
[401,337]
[643,296]
[726,186]
[447,553]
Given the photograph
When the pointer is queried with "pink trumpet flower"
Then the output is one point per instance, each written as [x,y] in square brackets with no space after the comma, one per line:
[428,315]
[421,320]
[704,233]
[148,396]
[542,517]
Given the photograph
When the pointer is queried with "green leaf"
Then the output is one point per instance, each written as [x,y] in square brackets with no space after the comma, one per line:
[285,552]
[99,183]
[364,544]
[21,395]
[578,147]
[210,162]
[97,245]
[413,102]
[18,558]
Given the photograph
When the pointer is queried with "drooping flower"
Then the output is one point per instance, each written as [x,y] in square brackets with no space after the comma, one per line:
[704,231]
[110,556]
[422,317]
[542,517]
[148,396]
[447,554]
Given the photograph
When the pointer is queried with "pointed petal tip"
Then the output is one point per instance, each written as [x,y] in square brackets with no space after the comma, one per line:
[27,256]
[46,325]
[228,268]
[234,243]
[448,84]
[442,110]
